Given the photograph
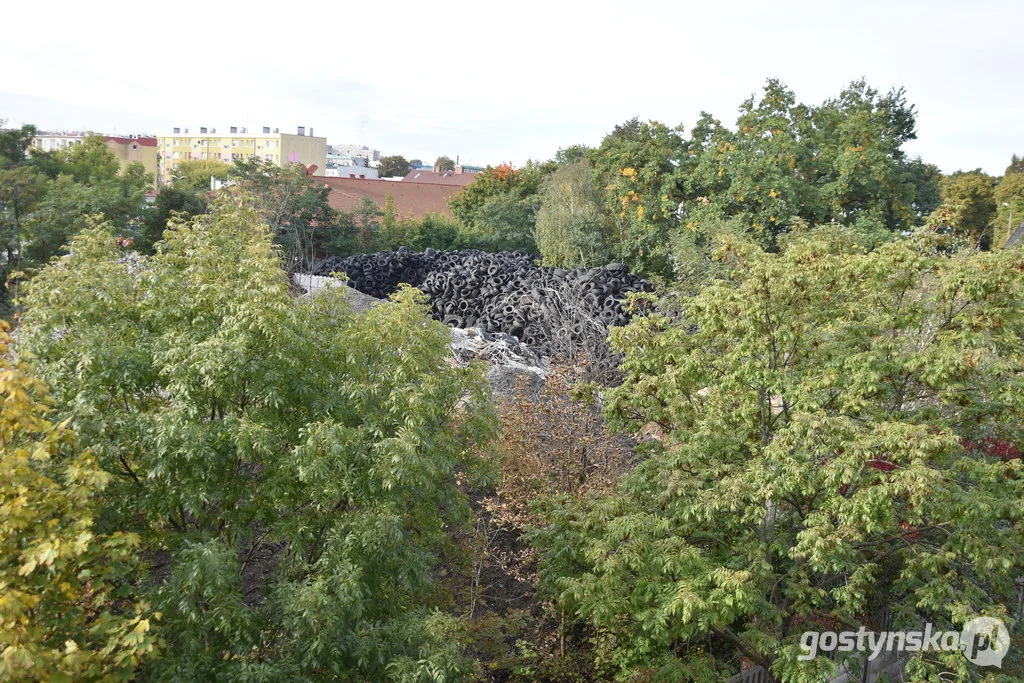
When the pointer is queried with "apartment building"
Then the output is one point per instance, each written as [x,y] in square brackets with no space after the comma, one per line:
[237,142]
[128,149]
[135,149]
[51,141]
[353,151]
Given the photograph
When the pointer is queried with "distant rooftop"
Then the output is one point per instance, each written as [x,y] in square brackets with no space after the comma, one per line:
[458,178]
[63,133]
[409,197]
[144,140]
[238,130]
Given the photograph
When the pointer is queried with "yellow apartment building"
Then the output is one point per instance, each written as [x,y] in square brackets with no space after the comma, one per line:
[135,149]
[128,149]
[240,143]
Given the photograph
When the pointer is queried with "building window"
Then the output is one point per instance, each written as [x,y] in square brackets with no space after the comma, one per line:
[135,146]
[175,143]
[234,143]
[175,155]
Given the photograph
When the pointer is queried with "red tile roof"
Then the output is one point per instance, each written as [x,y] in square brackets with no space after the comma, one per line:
[410,198]
[446,178]
[144,142]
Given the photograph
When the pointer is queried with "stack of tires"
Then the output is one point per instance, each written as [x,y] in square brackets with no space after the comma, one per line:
[504,292]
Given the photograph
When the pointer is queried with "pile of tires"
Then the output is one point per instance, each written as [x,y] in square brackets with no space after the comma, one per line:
[380,274]
[501,293]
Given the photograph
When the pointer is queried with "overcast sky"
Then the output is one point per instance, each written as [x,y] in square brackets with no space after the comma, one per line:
[507,81]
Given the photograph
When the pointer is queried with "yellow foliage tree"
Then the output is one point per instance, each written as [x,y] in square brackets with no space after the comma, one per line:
[66,611]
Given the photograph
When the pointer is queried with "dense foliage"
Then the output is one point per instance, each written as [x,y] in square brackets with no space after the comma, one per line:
[837,450]
[287,465]
[499,208]
[206,476]
[571,228]
[46,196]
[66,607]
[393,166]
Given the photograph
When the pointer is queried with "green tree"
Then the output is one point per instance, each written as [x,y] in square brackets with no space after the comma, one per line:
[838,450]
[498,210]
[971,196]
[393,166]
[1009,200]
[927,181]
[392,234]
[20,189]
[504,223]
[67,607]
[365,220]
[571,228]
[45,196]
[91,162]
[434,231]
[288,465]
[194,175]
[14,144]
[61,212]
[444,164]
[639,164]
[858,141]
[573,154]
[172,201]
[788,164]
[295,206]
[1016,165]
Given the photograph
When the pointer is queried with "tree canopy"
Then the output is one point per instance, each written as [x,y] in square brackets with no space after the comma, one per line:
[837,451]
[194,175]
[287,465]
[393,166]
[66,605]
[571,228]
[292,204]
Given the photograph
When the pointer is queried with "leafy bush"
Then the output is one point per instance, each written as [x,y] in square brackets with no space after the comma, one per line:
[288,465]
[814,406]
[67,611]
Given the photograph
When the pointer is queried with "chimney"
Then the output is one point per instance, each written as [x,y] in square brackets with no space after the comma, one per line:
[311,131]
[302,130]
[202,131]
[177,131]
[266,129]
[234,130]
